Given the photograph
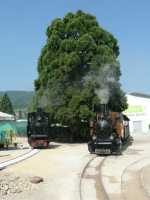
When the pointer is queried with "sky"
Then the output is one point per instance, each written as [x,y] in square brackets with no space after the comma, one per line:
[22,35]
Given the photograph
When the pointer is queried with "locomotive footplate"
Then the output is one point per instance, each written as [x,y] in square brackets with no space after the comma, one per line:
[103,147]
[102,151]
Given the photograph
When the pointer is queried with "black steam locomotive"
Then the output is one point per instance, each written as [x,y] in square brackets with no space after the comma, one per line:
[38,129]
[109,131]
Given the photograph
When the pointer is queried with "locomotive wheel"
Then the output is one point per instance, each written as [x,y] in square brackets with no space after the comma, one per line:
[91,147]
[119,148]
[29,141]
[47,144]
[1,146]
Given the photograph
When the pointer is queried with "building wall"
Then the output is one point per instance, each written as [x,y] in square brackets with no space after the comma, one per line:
[139,114]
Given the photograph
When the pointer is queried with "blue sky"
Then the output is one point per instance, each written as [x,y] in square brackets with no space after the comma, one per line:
[22,34]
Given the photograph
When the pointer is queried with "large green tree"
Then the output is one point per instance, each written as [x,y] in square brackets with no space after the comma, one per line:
[6,105]
[0,102]
[76,52]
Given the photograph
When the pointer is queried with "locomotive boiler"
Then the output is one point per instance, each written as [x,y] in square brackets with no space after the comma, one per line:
[38,129]
[108,131]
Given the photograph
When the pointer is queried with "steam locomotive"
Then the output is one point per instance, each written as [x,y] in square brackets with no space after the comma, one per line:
[108,131]
[38,129]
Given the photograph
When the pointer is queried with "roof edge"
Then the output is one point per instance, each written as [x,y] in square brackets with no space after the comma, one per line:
[137,94]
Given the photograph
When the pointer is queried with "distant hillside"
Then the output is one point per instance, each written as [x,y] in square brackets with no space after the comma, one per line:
[19,99]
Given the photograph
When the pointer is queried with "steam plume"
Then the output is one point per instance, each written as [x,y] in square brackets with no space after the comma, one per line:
[104,81]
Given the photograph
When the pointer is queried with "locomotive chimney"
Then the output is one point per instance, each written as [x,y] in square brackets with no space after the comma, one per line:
[104,108]
[101,108]
[39,109]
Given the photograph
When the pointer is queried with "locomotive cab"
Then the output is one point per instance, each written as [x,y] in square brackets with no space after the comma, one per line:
[38,129]
[107,131]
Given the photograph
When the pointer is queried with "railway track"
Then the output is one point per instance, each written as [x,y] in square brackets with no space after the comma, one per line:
[143,185]
[94,165]
[92,172]
[18,159]
[138,184]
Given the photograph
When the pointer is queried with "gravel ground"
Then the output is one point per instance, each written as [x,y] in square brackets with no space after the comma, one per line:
[60,167]
[11,184]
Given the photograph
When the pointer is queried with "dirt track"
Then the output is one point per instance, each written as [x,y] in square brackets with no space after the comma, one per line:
[60,166]
[71,173]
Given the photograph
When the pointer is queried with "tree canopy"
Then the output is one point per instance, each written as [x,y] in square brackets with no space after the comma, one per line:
[6,105]
[76,52]
[0,102]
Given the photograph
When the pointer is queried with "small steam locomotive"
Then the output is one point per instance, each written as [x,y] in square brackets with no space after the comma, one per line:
[108,131]
[38,129]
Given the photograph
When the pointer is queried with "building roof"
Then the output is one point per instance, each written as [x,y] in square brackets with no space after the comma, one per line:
[136,94]
[5,116]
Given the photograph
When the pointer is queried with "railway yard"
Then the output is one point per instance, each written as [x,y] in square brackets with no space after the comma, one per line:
[69,172]
[71,126]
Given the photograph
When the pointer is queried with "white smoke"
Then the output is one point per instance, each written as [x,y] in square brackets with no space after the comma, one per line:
[104,80]
[43,99]
[103,95]
[51,96]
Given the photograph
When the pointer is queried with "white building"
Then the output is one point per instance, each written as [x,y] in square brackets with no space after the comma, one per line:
[139,113]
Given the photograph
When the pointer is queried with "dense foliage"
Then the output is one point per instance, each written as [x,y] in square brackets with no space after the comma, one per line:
[0,100]
[6,105]
[76,48]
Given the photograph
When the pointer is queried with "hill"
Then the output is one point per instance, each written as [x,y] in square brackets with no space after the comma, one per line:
[19,99]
